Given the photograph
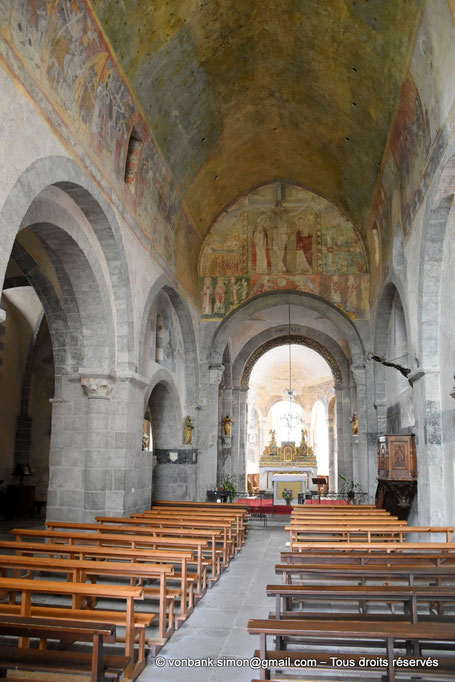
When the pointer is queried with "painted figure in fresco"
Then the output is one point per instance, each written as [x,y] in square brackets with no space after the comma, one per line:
[188,430]
[207,292]
[260,245]
[280,239]
[242,286]
[226,422]
[303,246]
[219,296]
[234,292]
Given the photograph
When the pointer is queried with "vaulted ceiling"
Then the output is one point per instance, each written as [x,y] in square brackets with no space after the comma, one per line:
[238,93]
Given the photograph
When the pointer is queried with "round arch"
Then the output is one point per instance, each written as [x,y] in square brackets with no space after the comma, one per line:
[233,320]
[162,284]
[65,174]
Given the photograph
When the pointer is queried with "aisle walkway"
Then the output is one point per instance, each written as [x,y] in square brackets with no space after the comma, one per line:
[217,628]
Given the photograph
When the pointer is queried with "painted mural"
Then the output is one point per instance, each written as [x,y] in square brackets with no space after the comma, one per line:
[281,237]
[63,49]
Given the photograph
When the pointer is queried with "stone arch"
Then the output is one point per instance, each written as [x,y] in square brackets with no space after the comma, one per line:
[390,298]
[165,410]
[64,174]
[232,321]
[293,339]
[188,334]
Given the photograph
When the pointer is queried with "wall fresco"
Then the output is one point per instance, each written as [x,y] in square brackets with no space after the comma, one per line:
[281,237]
[64,51]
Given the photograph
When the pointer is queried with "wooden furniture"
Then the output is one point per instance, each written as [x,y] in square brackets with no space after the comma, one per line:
[397,473]
[408,595]
[96,663]
[357,633]
[133,625]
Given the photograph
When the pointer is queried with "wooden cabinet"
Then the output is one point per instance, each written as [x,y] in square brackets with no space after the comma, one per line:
[397,474]
[396,457]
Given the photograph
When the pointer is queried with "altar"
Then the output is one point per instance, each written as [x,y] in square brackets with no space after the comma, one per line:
[296,465]
[295,482]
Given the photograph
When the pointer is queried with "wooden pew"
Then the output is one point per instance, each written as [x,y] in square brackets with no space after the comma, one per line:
[228,540]
[351,532]
[355,633]
[408,595]
[352,547]
[133,623]
[237,527]
[118,540]
[96,664]
[151,531]
[181,559]
[361,574]
[78,570]
[362,558]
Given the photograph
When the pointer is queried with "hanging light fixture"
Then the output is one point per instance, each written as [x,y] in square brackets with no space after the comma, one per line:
[290,419]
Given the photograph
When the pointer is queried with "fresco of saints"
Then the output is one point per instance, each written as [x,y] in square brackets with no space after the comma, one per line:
[219,296]
[207,296]
[279,243]
[233,291]
[260,239]
[303,247]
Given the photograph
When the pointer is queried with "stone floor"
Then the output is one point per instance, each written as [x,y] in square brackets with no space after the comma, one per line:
[217,627]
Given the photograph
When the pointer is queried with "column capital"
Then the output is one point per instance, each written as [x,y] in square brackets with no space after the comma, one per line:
[97,386]
[215,374]
[359,375]
[2,315]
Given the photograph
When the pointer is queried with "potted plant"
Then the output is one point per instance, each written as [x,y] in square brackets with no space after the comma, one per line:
[349,488]
[288,495]
[226,484]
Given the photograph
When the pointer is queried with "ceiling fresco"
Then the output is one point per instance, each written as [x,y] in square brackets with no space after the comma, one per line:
[241,93]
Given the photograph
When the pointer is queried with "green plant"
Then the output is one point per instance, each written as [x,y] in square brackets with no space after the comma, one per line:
[349,487]
[226,483]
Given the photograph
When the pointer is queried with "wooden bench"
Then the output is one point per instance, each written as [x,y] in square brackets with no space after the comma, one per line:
[234,524]
[228,540]
[120,540]
[363,558]
[134,624]
[406,595]
[355,633]
[153,530]
[96,664]
[349,547]
[79,570]
[181,559]
[351,532]
[361,574]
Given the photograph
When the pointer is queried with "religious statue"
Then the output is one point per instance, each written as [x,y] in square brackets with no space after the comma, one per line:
[272,434]
[226,422]
[145,441]
[304,436]
[188,426]
[355,424]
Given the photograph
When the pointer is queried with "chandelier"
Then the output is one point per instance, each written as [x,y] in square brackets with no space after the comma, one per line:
[290,419]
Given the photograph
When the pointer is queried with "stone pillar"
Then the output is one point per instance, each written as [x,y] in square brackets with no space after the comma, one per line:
[331,433]
[344,431]
[360,444]
[208,429]
[96,462]
[238,454]
[431,507]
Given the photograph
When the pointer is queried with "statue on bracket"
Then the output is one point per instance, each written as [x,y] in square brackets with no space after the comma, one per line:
[188,430]
[226,423]
[355,424]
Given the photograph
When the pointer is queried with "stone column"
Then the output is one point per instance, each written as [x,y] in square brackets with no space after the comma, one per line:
[360,444]
[208,428]
[431,507]
[237,469]
[96,462]
[331,433]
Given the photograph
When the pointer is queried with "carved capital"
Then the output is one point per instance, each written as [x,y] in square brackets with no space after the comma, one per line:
[359,375]
[98,386]
[2,315]
[216,374]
